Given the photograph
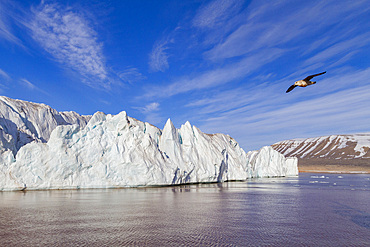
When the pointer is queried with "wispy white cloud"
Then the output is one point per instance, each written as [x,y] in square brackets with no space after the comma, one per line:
[216,77]
[256,32]
[208,21]
[340,48]
[267,96]
[5,26]
[151,112]
[31,86]
[131,75]
[271,30]
[71,40]
[4,75]
[28,84]
[280,23]
[336,103]
[154,106]
[216,13]
[158,57]
[105,102]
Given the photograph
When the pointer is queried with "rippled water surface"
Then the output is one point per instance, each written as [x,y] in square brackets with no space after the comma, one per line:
[309,210]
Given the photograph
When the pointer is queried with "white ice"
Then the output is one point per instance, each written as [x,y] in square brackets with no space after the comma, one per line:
[120,151]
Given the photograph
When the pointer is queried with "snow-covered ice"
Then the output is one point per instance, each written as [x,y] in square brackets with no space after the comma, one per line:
[120,151]
[22,122]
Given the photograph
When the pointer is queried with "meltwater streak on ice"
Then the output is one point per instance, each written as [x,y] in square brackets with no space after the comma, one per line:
[120,151]
[259,212]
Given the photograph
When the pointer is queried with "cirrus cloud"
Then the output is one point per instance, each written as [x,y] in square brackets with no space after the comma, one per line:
[4,74]
[68,37]
[158,58]
[216,12]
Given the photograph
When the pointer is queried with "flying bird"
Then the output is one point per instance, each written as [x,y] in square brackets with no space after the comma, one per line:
[304,83]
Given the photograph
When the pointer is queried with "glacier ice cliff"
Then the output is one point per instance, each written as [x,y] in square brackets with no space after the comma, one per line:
[22,122]
[119,151]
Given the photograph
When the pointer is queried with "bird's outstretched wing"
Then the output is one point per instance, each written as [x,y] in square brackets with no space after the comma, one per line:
[290,88]
[312,76]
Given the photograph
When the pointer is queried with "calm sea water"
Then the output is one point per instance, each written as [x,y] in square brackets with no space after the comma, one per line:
[309,210]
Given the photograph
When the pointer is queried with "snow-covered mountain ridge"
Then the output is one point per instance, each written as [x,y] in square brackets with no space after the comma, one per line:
[120,151]
[339,147]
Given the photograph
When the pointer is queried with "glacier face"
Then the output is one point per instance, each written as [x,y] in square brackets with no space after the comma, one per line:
[120,151]
[22,122]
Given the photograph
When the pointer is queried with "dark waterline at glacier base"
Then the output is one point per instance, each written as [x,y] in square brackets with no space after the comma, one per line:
[309,210]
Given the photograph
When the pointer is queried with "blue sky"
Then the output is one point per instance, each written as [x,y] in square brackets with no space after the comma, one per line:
[223,65]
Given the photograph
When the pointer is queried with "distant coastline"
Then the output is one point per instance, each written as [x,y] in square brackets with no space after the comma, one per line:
[349,153]
[354,166]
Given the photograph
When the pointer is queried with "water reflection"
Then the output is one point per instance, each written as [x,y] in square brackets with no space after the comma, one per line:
[359,217]
[275,211]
